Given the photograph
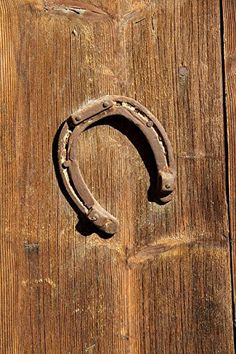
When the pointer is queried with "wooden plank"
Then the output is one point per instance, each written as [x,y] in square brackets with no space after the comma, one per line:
[162,284]
[229,22]
[9,230]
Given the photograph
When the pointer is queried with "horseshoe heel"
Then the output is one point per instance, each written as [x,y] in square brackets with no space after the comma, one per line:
[68,160]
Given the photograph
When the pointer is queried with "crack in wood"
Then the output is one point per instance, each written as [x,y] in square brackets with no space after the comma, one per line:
[81,9]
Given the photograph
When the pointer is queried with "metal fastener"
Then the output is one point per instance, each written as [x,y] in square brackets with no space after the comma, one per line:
[150,123]
[106,104]
[66,163]
[93,217]
[77,118]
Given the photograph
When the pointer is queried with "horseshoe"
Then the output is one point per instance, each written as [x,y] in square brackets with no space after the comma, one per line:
[68,160]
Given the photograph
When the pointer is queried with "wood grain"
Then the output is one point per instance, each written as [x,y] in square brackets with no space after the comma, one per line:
[229,33]
[162,284]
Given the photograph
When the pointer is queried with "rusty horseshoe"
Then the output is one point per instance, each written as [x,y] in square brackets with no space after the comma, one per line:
[68,160]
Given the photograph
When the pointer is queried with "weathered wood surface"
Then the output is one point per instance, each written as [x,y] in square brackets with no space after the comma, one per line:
[162,284]
[229,22]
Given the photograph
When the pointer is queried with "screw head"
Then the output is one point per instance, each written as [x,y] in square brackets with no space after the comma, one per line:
[167,186]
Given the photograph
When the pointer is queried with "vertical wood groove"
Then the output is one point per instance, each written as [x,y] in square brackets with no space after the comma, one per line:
[228,11]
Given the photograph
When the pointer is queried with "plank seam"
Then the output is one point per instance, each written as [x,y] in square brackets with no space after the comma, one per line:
[226,145]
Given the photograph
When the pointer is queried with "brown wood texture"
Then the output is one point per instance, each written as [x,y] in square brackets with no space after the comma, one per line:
[229,36]
[162,284]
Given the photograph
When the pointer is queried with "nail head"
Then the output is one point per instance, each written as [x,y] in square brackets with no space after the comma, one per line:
[106,104]
[150,123]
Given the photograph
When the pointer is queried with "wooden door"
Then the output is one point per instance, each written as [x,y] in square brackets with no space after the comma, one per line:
[162,283]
